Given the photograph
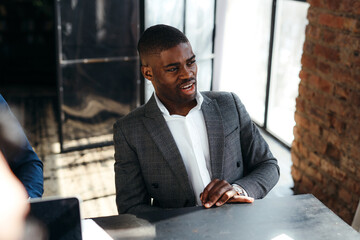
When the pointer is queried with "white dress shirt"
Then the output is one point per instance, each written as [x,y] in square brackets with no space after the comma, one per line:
[191,138]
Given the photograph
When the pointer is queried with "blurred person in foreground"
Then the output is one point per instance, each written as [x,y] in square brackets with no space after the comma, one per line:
[13,203]
[17,151]
[184,147]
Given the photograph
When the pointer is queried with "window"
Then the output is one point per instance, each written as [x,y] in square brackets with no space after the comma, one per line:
[258,57]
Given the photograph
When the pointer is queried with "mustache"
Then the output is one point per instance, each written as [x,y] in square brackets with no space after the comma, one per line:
[188,80]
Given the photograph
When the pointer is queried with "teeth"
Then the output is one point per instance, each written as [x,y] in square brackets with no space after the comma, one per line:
[187,86]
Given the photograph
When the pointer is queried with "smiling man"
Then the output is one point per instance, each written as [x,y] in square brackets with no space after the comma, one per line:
[185,148]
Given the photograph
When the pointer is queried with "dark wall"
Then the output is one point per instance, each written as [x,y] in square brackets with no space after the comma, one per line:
[27,44]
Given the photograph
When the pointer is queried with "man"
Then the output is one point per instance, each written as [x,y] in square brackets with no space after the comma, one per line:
[19,154]
[185,148]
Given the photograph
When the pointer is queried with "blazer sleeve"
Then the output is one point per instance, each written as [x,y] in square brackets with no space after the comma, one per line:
[131,193]
[261,171]
[22,159]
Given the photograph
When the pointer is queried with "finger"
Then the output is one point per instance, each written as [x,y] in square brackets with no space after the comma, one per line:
[240,199]
[216,192]
[225,197]
[207,189]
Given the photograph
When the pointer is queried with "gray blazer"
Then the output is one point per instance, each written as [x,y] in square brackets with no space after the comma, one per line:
[148,163]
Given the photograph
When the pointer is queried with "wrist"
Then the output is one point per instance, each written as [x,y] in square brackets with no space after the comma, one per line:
[239,190]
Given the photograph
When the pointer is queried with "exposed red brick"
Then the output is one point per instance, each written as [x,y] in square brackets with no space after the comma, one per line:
[313,32]
[328,53]
[315,3]
[295,174]
[348,163]
[295,159]
[331,20]
[353,186]
[321,84]
[296,133]
[337,106]
[351,24]
[303,151]
[351,6]
[300,120]
[345,214]
[318,115]
[332,4]
[307,183]
[329,36]
[332,152]
[342,92]
[314,143]
[315,128]
[343,75]
[324,67]
[355,98]
[314,174]
[300,105]
[312,15]
[308,61]
[315,159]
[333,171]
[345,195]
[355,153]
[326,146]
[348,41]
[308,47]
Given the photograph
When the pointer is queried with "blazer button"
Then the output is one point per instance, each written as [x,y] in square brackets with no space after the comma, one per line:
[238,164]
[155,185]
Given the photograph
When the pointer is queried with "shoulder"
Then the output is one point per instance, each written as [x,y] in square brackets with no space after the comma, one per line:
[221,97]
[131,118]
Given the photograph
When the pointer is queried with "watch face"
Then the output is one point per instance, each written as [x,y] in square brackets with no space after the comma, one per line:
[239,190]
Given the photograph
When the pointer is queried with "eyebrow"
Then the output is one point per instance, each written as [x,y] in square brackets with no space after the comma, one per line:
[176,64]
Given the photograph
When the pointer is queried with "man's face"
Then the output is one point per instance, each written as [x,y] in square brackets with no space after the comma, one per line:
[173,75]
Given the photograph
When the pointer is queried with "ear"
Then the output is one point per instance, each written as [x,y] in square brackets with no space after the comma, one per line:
[147,72]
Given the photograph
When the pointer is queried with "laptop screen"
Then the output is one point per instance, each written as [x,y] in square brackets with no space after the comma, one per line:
[58,219]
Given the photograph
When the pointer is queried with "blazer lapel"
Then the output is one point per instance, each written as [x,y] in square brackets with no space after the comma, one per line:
[215,131]
[160,133]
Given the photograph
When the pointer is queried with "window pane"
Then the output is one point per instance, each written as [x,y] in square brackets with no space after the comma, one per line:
[199,30]
[244,53]
[169,12]
[200,25]
[288,42]
[204,74]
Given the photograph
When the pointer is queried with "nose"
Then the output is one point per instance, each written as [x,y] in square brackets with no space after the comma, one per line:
[186,72]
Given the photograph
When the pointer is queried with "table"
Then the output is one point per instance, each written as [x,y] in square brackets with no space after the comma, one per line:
[287,218]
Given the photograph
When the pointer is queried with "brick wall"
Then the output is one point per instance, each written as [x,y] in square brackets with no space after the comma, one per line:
[326,147]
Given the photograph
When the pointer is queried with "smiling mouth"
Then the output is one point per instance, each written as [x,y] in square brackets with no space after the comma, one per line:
[187,86]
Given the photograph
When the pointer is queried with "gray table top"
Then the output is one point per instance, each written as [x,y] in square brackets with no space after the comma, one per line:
[286,218]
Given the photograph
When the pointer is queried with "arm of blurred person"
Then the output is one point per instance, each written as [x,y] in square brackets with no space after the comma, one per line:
[13,203]
[18,152]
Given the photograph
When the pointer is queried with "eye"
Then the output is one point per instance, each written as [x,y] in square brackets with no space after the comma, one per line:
[191,62]
[172,69]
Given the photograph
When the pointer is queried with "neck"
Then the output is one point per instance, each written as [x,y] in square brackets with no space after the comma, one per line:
[181,110]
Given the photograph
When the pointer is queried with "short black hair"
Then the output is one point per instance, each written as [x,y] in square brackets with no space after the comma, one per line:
[158,38]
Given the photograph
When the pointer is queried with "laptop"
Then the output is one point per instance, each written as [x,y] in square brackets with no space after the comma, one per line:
[59,218]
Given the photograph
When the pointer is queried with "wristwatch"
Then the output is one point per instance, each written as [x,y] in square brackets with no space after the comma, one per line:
[239,190]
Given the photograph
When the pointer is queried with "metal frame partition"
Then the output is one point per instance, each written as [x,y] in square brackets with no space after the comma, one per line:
[97,69]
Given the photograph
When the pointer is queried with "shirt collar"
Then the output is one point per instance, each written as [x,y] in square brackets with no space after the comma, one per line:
[199,100]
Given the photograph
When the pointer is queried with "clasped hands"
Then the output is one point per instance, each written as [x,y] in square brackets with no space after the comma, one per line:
[219,192]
